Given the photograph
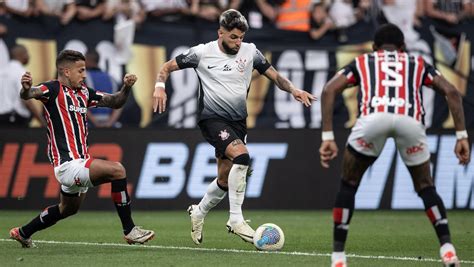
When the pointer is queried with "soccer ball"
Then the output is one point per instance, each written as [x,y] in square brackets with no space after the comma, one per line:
[269,237]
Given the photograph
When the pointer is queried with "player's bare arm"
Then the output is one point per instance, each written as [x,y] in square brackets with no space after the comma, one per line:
[27,91]
[159,95]
[287,86]
[454,99]
[118,99]
[328,150]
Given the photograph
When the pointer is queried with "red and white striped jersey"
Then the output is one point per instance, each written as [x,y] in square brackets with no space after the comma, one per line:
[65,111]
[390,81]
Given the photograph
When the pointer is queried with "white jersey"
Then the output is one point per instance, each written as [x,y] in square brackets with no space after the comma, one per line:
[224,79]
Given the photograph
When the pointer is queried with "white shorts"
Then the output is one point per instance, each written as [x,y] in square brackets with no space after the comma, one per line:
[370,132]
[74,176]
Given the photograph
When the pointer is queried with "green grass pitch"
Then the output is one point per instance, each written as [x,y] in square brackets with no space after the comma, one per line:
[376,238]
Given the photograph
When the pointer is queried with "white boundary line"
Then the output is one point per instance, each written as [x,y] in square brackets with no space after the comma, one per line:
[294,253]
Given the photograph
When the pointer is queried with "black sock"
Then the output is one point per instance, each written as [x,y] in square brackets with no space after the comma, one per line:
[122,204]
[45,219]
[436,212]
[342,214]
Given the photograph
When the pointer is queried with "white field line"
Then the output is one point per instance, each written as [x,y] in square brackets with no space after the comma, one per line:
[294,253]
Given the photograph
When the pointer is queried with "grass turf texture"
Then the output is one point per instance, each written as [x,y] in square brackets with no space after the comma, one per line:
[401,234]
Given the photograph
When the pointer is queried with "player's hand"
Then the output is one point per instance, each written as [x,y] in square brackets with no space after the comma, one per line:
[159,100]
[303,97]
[26,81]
[129,79]
[327,151]
[462,151]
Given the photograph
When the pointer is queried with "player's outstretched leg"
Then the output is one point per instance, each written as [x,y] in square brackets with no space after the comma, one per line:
[237,184]
[45,219]
[69,205]
[215,193]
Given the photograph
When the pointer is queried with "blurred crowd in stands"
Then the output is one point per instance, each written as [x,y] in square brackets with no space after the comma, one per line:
[313,16]
[316,17]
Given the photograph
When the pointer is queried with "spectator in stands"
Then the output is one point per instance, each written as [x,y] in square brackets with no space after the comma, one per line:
[447,12]
[22,8]
[320,20]
[345,13]
[102,81]
[403,14]
[209,10]
[90,9]
[65,10]
[123,10]
[3,29]
[259,13]
[13,110]
[293,15]
[168,11]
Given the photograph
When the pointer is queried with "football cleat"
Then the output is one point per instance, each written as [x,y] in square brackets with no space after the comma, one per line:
[448,256]
[196,224]
[338,259]
[25,242]
[139,235]
[243,230]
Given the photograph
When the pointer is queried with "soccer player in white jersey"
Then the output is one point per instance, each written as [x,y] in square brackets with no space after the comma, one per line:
[390,83]
[224,68]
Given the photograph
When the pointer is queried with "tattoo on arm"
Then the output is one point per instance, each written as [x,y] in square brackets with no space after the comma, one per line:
[283,83]
[34,92]
[237,142]
[116,100]
[165,71]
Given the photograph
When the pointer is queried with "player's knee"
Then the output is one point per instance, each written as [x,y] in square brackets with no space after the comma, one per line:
[423,183]
[242,159]
[119,171]
[222,182]
[68,210]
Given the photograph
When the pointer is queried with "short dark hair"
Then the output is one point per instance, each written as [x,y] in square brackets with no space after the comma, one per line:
[69,56]
[389,34]
[231,19]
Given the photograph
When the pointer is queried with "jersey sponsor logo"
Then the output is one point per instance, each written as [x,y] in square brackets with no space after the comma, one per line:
[415,149]
[388,101]
[81,110]
[227,68]
[224,135]
[211,67]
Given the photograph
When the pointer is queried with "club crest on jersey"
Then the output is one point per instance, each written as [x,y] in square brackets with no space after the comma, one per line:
[77,181]
[224,135]
[81,110]
[241,64]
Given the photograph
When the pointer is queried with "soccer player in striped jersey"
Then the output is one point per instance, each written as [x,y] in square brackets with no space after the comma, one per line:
[65,102]
[390,82]
[224,68]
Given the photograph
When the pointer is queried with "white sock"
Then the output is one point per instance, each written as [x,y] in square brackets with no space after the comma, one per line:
[237,183]
[213,196]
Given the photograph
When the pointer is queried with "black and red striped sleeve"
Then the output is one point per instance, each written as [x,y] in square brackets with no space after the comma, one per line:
[94,97]
[49,91]
[430,73]
[350,71]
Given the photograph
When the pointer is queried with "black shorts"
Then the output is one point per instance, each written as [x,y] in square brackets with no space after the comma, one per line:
[220,133]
